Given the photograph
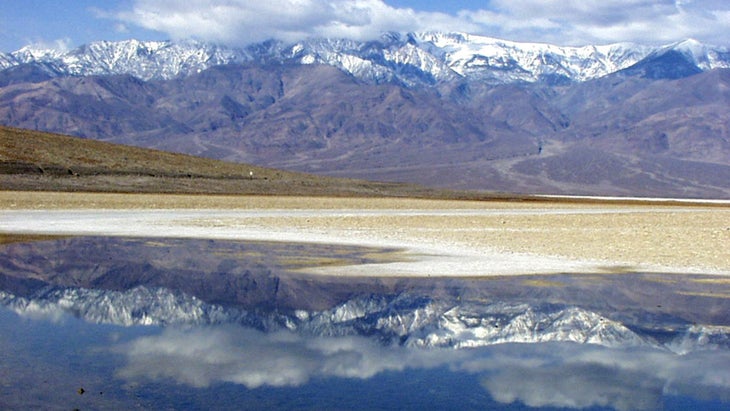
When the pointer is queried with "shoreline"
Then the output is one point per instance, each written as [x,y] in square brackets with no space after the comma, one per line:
[438,237]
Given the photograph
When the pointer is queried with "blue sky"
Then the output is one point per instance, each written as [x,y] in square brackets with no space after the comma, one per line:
[238,22]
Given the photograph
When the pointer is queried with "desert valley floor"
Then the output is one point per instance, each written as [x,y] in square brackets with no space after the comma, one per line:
[433,237]
[149,301]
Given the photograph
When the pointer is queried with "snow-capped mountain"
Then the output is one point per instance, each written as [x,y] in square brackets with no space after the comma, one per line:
[701,55]
[411,59]
[506,61]
[679,60]
[415,321]
[448,110]
[145,60]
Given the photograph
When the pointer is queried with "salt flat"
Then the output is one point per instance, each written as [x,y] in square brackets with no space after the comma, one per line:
[438,238]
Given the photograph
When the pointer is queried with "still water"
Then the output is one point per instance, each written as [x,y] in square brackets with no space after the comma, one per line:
[125,323]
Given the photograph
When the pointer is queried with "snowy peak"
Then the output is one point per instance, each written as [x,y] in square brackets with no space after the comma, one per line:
[411,59]
[394,57]
[432,57]
[678,60]
[702,56]
[145,60]
[36,53]
[506,61]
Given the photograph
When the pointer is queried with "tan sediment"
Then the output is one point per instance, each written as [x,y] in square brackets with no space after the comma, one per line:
[624,237]
[37,200]
[25,238]
[616,236]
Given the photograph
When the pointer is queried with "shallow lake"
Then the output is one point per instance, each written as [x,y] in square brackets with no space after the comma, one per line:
[148,323]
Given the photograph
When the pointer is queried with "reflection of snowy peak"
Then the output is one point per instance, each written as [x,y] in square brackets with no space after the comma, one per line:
[138,306]
[410,320]
[412,59]
[526,325]
[425,323]
[701,336]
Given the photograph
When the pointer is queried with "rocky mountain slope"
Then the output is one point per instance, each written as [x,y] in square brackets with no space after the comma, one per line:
[448,110]
[39,161]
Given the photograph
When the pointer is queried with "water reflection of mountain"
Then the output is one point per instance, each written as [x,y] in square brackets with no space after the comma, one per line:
[174,281]
[405,319]
[238,321]
[214,366]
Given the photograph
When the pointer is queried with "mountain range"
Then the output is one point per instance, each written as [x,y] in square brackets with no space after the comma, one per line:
[411,59]
[443,109]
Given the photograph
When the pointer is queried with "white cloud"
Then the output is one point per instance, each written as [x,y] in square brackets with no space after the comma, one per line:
[582,376]
[121,28]
[539,375]
[565,22]
[59,45]
[245,21]
[201,357]
[581,22]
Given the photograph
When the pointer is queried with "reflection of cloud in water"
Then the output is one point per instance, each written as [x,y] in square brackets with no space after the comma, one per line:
[200,357]
[552,374]
[576,386]
[580,376]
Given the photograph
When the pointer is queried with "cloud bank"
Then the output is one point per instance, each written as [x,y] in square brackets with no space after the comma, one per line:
[201,357]
[538,375]
[248,21]
[583,376]
[563,22]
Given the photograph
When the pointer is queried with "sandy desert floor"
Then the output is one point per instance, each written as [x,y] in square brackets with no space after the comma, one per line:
[437,237]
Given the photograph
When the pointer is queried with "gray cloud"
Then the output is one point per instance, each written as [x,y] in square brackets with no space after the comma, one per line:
[564,22]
